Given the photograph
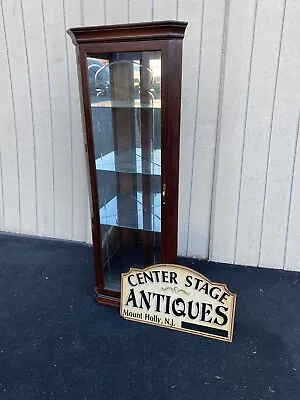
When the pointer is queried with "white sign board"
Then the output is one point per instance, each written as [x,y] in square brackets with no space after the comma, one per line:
[177,297]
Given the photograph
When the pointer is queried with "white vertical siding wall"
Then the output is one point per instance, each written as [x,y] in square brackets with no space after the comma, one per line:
[283,143]
[262,84]
[23,133]
[233,105]
[240,154]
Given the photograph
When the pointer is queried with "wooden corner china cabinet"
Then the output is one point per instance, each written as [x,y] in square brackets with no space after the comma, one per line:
[130,84]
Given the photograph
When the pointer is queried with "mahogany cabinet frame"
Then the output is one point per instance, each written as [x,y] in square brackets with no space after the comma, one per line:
[165,37]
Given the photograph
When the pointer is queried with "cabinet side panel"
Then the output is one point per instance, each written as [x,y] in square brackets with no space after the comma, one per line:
[93,206]
[171,100]
[92,14]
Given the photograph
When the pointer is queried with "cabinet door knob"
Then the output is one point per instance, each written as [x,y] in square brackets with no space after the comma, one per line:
[164,194]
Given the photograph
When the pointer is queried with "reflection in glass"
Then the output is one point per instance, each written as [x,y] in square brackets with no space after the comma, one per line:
[125,97]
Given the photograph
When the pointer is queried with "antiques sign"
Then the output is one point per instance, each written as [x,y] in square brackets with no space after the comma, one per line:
[177,297]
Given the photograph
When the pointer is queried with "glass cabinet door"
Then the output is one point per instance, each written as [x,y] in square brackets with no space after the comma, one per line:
[125,103]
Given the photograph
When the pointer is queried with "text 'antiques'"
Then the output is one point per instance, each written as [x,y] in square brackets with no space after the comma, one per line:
[179,298]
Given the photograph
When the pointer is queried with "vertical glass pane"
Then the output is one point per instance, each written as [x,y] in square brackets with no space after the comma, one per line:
[125,95]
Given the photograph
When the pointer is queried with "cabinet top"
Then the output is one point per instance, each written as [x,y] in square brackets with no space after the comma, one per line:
[128,32]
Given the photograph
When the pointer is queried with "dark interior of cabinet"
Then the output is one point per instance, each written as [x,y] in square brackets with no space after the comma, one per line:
[123,130]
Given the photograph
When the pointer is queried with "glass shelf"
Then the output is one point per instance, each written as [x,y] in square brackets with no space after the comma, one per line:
[125,107]
[136,216]
[130,161]
[104,103]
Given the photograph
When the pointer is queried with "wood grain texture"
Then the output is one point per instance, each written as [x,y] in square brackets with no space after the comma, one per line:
[170,139]
[232,120]
[283,142]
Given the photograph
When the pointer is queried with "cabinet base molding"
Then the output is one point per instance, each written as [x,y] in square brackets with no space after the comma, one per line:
[106,299]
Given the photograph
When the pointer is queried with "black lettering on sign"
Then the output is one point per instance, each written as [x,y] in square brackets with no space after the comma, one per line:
[223,297]
[224,318]
[158,298]
[173,278]
[178,312]
[211,292]
[140,278]
[190,308]
[198,282]
[206,310]
[180,299]
[168,299]
[156,273]
[164,276]
[205,288]
[148,277]
[131,298]
[188,281]
[144,298]
[129,280]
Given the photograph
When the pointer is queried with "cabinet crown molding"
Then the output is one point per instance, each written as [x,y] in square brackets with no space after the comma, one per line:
[128,32]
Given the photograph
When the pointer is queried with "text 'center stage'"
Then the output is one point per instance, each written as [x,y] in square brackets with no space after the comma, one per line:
[177,297]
